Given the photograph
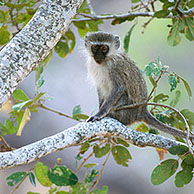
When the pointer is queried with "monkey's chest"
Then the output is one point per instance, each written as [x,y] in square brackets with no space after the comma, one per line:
[99,75]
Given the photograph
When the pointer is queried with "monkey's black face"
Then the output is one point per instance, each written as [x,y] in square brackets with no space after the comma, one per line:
[99,52]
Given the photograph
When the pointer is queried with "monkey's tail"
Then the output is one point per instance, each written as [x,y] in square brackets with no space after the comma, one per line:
[151,120]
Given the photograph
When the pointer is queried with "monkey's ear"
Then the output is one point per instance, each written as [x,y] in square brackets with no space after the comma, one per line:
[117,41]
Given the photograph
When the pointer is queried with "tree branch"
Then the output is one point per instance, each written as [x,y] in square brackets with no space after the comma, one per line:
[89,17]
[74,135]
[33,43]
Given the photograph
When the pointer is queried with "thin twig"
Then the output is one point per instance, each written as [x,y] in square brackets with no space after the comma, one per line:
[177,4]
[9,148]
[152,5]
[12,19]
[145,6]
[146,24]
[156,82]
[102,170]
[189,12]
[55,111]
[19,184]
[84,161]
[117,16]
[90,17]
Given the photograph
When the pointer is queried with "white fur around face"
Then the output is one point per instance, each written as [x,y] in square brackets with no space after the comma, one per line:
[98,75]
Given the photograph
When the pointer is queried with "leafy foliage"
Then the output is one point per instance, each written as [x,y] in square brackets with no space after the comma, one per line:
[168,167]
[163,171]
[17,16]
[62,176]
[15,178]
[121,155]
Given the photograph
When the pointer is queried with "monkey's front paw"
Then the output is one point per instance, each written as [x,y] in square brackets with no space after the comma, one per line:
[94,118]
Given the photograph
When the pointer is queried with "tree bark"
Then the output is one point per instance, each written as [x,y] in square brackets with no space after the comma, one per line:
[75,135]
[33,43]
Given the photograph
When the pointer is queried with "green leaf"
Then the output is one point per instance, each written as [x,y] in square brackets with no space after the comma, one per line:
[160,98]
[135,1]
[19,106]
[80,117]
[32,193]
[89,165]
[84,147]
[40,82]
[100,152]
[183,177]
[189,28]
[121,20]
[164,171]
[178,150]
[188,161]
[121,155]
[187,87]
[32,179]
[41,174]
[142,127]
[168,4]
[52,190]
[127,38]
[93,25]
[39,71]
[62,176]
[152,70]
[189,116]
[38,96]
[83,32]
[16,178]
[62,192]
[9,125]
[175,101]
[3,130]
[104,190]
[90,177]
[79,188]
[4,35]
[174,36]
[82,7]
[191,4]
[152,81]
[62,49]
[122,142]
[20,95]
[70,35]
[161,13]
[77,110]
[172,80]
[3,16]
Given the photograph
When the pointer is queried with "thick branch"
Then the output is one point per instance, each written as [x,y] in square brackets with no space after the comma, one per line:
[25,51]
[75,135]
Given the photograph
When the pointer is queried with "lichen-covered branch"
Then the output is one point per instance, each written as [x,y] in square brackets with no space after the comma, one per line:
[33,43]
[77,134]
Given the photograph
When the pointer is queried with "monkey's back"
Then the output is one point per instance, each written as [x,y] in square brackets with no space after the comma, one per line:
[135,89]
[132,77]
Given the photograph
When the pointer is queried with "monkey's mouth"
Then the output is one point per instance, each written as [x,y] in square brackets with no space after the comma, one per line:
[99,59]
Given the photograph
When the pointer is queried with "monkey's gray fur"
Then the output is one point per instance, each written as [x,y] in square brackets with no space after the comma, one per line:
[119,82]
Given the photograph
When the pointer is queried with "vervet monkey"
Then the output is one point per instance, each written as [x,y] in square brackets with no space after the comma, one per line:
[119,82]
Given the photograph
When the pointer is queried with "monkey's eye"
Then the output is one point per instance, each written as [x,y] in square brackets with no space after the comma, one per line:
[104,48]
[94,48]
